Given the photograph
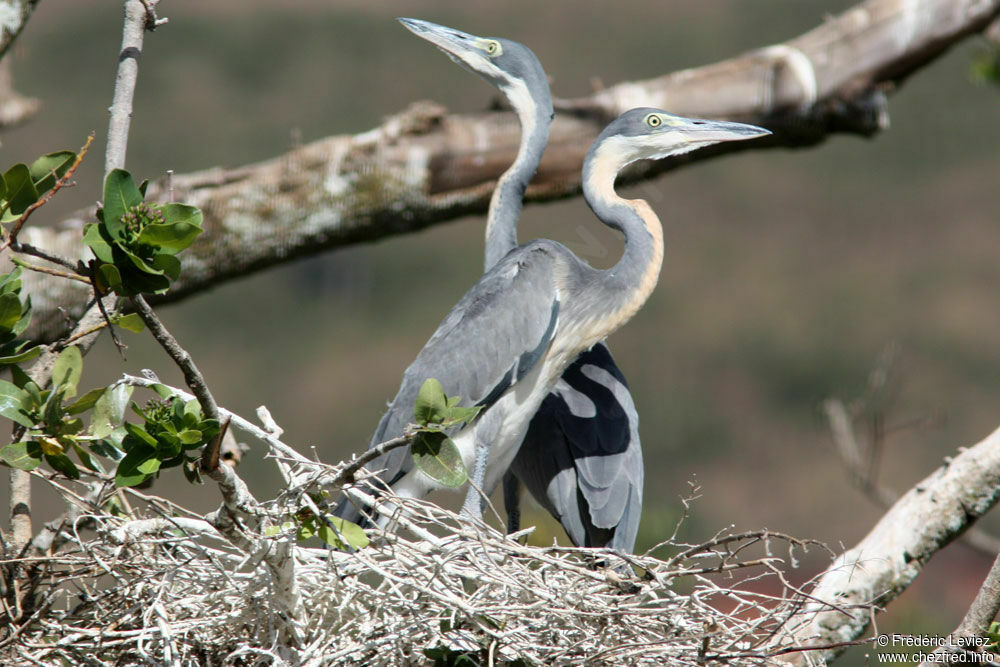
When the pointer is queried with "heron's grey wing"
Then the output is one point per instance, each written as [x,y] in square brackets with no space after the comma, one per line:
[582,459]
[492,337]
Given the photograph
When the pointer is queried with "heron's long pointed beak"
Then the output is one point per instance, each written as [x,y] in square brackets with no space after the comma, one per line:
[451,41]
[714,131]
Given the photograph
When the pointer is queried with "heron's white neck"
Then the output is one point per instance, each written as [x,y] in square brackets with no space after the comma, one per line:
[506,203]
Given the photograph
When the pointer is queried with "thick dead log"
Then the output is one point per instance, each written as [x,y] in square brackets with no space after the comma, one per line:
[425,166]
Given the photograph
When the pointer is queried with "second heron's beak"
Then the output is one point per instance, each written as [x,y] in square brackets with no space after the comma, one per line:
[713,131]
[458,45]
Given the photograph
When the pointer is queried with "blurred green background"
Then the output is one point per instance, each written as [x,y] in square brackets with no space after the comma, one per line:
[787,273]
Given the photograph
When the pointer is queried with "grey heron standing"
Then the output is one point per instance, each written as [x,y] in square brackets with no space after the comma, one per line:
[510,338]
[580,458]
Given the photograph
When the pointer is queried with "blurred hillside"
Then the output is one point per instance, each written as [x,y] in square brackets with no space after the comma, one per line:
[786,274]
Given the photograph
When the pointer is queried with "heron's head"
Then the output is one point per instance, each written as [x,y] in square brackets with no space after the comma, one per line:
[652,134]
[506,64]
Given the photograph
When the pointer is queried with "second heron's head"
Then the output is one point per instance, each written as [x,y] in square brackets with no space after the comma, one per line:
[651,134]
[505,64]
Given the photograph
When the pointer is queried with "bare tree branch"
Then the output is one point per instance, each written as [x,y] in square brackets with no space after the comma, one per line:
[422,166]
[887,560]
[977,619]
[16,17]
[863,477]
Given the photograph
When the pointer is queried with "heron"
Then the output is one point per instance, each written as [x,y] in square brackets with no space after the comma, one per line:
[581,458]
[509,339]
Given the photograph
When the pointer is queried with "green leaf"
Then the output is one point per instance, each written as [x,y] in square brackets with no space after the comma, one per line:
[100,245]
[140,263]
[14,402]
[22,455]
[27,355]
[137,466]
[107,450]
[459,414]
[109,410]
[67,370]
[10,310]
[438,457]
[168,264]
[162,390]
[173,237]
[341,534]
[110,278]
[306,529]
[132,322]
[52,411]
[431,403]
[190,437]
[181,214]
[140,436]
[42,168]
[21,192]
[63,464]
[25,320]
[86,401]
[84,457]
[21,378]
[120,194]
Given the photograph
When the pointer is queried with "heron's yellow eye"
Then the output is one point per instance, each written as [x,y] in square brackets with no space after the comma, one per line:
[493,48]
[653,120]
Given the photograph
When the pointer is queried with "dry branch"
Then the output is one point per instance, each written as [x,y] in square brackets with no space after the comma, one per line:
[425,166]
[889,558]
[181,592]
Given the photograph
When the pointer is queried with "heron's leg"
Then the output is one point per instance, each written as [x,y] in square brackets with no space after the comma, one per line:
[475,501]
[512,501]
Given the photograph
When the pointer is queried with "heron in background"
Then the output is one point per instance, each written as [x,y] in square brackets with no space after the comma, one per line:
[581,459]
[507,342]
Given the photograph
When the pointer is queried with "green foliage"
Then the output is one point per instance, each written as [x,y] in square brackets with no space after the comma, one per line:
[985,66]
[993,637]
[432,450]
[15,317]
[21,185]
[172,429]
[52,429]
[335,532]
[135,242]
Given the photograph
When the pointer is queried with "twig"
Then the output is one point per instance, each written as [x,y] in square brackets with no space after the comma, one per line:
[119,345]
[41,253]
[238,421]
[128,73]
[346,475]
[59,185]
[51,272]
[192,376]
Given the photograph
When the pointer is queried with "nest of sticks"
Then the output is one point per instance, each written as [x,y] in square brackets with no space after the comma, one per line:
[162,586]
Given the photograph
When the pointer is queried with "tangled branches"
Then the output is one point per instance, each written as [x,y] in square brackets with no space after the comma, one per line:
[163,586]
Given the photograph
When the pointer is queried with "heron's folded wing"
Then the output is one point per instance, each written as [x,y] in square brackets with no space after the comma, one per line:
[492,337]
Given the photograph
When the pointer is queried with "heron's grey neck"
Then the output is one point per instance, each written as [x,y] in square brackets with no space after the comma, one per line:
[535,115]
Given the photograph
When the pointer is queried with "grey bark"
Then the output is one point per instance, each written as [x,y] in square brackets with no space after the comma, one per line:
[425,166]
[887,560]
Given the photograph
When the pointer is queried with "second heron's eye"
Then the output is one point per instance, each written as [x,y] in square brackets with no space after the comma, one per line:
[653,120]
[493,48]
